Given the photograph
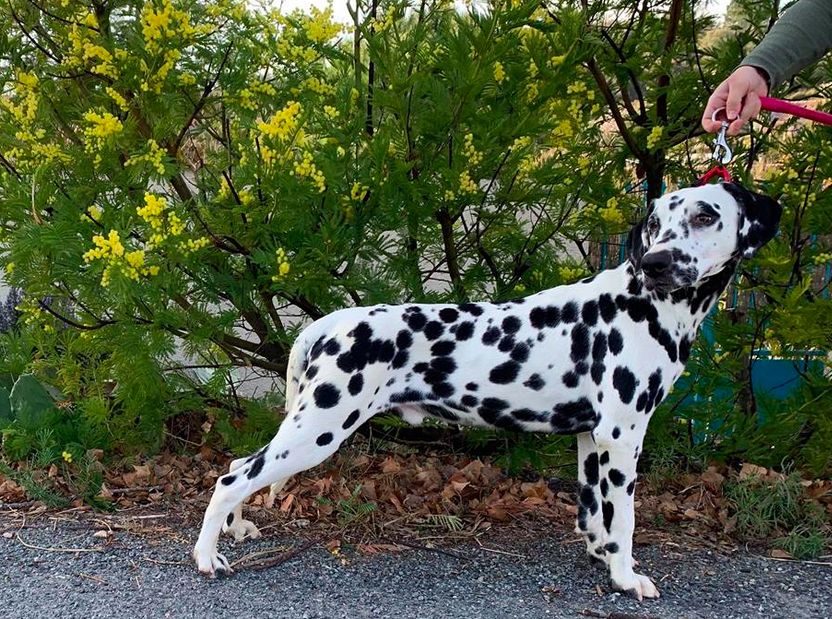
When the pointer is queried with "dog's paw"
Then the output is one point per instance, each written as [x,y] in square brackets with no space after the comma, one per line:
[636,584]
[242,529]
[209,563]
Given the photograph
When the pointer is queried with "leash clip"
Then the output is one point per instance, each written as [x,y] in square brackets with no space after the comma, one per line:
[722,152]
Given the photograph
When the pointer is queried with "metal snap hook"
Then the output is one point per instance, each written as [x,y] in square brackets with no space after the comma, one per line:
[722,152]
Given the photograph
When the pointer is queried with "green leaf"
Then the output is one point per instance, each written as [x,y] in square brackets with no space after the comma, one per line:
[30,402]
[6,416]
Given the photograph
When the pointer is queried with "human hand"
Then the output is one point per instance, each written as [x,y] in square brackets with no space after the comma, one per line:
[740,95]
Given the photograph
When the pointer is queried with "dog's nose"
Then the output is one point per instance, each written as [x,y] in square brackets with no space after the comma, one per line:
[656,264]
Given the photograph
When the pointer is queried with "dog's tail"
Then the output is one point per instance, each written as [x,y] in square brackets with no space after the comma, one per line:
[296,368]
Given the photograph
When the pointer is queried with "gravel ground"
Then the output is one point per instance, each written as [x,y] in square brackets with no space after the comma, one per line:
[148,575]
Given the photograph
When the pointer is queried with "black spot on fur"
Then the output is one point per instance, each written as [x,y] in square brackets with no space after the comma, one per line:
[589,313]
[587,499]
[446,365]
[505,373]
[469,400]
[570,379]
[464,331]
[356,384]
[684,349]
[444,389]
[591,468]
[511,324]
[496,404]
[506,344]
[230,519]
[326,395]
[350,420]
[472,386]
[615,341]
[434,330]
[471,308]
[616,477]
[448,314]
[604,459]
[312,371]
[624,382]
[491,335]
[605,487]
[569,312]
[228,480]
[324,439]
[631,487]
[400,359]
[597,372]
[332,347]
[535,382]
[599,347]
[442,348]
[607,307]
[404,339]
[407,396]
[416,321]
[609,511]
[611,547]
[574,416]
[580,342]
[520,353]
[616,432]
[257,466]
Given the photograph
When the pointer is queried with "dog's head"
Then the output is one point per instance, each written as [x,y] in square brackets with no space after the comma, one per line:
[694,233]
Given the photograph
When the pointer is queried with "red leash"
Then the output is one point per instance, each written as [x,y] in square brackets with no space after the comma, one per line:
[769,104]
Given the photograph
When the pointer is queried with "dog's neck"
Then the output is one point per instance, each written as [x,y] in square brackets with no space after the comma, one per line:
[688,306]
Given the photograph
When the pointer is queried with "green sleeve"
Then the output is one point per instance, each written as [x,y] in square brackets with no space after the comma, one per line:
[801,36]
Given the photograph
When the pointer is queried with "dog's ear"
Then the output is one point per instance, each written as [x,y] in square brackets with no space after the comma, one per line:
[635,244]
[759,218]
[637,240]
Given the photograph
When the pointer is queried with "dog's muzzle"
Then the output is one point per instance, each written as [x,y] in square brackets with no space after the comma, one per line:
[657,272]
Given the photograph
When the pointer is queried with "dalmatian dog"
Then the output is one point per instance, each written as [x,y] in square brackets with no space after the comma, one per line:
[593,358]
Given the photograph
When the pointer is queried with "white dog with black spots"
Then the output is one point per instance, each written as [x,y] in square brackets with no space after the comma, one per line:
[592,358]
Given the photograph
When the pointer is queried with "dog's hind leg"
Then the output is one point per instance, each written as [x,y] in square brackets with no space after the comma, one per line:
[234,523]
[303,441]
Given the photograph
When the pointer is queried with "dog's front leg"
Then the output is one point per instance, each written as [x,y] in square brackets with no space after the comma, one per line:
[617,458]
[589,499]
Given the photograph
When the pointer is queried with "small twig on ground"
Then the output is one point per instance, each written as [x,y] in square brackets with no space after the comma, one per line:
[55,549]
[806,561]
[97,579]
[259,553]
[281,558]
[500,552]
[427,548]
[588,612]
[164,562]
[120,491]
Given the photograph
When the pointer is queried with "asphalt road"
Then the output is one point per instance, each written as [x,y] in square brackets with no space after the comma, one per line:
[146,575]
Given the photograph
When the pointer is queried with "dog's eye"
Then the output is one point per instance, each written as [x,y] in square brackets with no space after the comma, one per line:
[652,227]
[704,219]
